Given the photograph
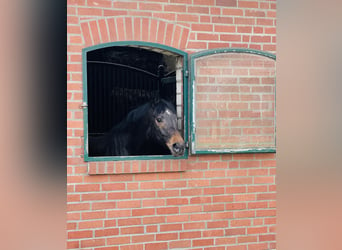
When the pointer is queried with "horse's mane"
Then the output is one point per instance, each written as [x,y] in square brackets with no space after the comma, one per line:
[132,117]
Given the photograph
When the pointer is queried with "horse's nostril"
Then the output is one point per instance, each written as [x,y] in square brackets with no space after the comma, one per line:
[177,147]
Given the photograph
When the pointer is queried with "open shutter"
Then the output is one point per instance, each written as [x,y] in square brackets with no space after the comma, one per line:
[232,96]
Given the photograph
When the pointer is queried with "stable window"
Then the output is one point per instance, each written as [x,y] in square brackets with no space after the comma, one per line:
[231,101]
[134,102]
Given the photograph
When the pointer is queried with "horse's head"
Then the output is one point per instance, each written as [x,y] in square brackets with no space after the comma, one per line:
[164,120]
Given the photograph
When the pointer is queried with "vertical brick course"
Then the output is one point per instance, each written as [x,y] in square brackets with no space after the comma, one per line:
[206,201]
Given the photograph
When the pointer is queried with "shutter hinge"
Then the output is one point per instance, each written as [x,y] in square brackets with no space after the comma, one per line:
[187,144]
[186,73]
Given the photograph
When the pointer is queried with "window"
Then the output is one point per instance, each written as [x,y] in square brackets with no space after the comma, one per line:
[122,82]
[233,101]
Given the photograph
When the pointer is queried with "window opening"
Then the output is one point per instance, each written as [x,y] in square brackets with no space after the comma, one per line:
[127,84]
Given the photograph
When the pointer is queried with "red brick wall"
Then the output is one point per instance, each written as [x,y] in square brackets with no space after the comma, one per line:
[216,201]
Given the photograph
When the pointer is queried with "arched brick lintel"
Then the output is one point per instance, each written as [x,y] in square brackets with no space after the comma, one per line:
[127,28]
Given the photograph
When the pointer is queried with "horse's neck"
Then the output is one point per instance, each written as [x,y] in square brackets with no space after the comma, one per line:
[129,135]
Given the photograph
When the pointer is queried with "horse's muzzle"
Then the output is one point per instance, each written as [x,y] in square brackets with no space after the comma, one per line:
[176,144]
[178,149]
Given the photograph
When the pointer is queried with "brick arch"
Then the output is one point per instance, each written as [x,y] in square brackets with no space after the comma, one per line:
[127,28]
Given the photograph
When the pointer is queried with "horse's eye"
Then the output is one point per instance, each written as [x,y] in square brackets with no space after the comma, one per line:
[159,119]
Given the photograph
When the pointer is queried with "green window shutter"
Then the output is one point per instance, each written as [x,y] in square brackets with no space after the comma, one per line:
[232,96]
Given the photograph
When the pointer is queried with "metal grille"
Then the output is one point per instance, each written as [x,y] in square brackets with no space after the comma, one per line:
[115,89]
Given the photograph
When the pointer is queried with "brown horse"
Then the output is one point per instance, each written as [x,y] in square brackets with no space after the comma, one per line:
[150,129]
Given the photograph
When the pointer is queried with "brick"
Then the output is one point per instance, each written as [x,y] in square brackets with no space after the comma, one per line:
[248,4]
[227,241]
[89,12]
[71,226]
[110,223]
[153,203]
[92,243]
[244,214]
[168,210]
[240,223]
[87,188]
[267,237]
[214,191]
[177,201]
[119,195]
[93,196]
[187,18]
[129,222]
[190,235]
[107,248]
[242,180]
[168,193]
[207,36]
[143,238]
[217,224]
[113,186]
[154,220]
[264,179]
[235,206]
[198,9]
[118,240]
[235,231]
[119,213]
[93,215]
[144,194]
[180,244]
[90,224]
[143,212]
[125,5]
[190,209]
[106,232]
[150,6]
[170,227]
[258,204]
[247,239]
[202,242]
[266,196]
[99,3]
[200,217]
[265,22]
[266,213]
[200,200]
[213,207]
[256,230]
[132,230]
[78,207]
[174,8]
[177,218]
[222,215]
[156,246]
[73,244]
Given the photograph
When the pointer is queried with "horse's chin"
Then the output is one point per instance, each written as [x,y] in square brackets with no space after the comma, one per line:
[176,153]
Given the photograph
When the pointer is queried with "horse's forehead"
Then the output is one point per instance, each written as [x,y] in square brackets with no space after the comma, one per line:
[167,111]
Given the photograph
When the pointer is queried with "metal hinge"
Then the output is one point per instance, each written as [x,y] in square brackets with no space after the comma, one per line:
[187,144]
[84,105]
[186,73]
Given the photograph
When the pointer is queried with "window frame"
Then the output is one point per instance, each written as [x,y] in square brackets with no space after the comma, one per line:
[181,53]
[192,111]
